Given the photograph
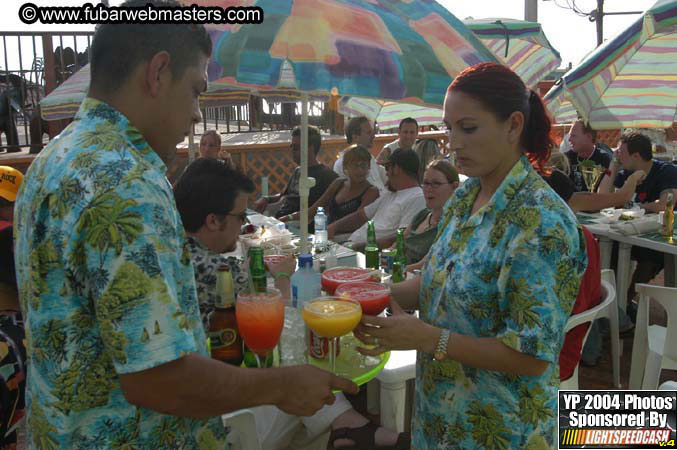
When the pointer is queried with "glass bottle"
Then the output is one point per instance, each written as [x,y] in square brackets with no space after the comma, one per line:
[371,252]
[257,270]
[225,339]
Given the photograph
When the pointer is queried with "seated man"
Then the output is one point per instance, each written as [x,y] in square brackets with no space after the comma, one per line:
[12,335]
[289,201]
[583,148]
[211,199]
[359,131]
[634,155]
[406,138]
[392,210]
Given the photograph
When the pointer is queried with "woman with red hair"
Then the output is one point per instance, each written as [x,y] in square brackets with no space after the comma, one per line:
[497,286]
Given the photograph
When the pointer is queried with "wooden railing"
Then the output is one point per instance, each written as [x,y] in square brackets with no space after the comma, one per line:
[273,160]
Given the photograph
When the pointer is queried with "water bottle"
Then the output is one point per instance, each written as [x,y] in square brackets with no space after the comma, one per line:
[321,238]
[305,285]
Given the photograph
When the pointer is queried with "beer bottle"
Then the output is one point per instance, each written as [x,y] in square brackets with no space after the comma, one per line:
[400,258]
[371,252]
[226,342]
[257,270]
[669,216]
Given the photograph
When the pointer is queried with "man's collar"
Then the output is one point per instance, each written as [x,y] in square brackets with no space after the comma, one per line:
[94,110]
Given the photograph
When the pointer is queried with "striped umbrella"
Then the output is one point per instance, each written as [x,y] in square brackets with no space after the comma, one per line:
[520,45]
[388,115]
[398,50]
[559,105]
[631,80]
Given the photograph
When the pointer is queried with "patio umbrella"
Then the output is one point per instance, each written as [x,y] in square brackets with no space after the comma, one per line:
[631,80]
[559,105]
[403,50]
[520,45]
[388,114]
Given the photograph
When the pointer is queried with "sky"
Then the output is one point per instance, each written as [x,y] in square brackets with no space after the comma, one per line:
[571,35]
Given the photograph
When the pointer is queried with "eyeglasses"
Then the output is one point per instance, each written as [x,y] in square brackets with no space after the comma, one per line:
[363,166]
[242,216]
[433,184]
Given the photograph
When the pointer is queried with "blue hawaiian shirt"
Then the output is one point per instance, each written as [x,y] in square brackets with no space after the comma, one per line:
[510,271]
[106,286]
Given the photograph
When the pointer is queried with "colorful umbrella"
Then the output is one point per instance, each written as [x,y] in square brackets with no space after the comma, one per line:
[388,115]
[559,105]
[631,80]
[64,101]
[402,50]
[521,45]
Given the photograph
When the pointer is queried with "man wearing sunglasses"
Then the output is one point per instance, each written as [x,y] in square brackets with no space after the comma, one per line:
[395,209]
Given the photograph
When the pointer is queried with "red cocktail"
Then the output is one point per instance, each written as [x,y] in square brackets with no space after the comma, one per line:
[373,297]
[332,278]
[260,319]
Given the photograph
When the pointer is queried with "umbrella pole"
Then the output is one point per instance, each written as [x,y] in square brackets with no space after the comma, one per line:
[191,145]
[304,184]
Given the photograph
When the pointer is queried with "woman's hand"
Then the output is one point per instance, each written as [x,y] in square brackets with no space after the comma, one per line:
[401,331]
[283,266]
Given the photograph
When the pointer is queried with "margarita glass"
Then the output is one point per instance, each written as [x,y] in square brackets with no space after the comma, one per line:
[590,176]
[373,297]
[332,278]
[260,319]
[332,317]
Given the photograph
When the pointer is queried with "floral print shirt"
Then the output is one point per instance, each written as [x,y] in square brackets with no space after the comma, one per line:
[509,271]
[206,269]
[106,287]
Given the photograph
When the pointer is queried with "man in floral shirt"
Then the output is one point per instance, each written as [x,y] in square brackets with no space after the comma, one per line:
[117,352]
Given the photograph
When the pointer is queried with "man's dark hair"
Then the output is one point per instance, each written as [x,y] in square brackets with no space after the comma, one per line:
[637,143]
[314,137]
[407,120]
[587,129]
[117,49]
[208,186]
[407,160]
[354,127]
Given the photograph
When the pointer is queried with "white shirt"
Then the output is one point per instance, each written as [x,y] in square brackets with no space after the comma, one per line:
[376,177]
[391,211]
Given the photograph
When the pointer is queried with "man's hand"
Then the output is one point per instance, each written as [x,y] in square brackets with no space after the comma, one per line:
[261,204]
[308,388]
[631,183]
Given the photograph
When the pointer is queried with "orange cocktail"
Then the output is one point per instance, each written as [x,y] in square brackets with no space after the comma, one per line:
[332,317]
[332,278]
[373,297]
[260,319]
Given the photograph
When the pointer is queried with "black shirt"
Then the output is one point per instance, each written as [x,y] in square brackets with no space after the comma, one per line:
[601,156]
[562,184]
[291,201]
[662,176]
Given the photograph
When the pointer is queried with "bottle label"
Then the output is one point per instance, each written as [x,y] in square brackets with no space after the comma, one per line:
[223,338]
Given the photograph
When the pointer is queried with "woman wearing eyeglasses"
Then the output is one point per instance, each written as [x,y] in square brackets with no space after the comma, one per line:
[440,180]
[345,195]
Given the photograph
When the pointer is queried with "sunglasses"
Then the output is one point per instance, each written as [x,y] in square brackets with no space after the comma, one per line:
[242,216]
[433,184]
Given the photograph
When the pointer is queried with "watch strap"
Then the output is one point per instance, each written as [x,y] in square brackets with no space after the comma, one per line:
[441,349]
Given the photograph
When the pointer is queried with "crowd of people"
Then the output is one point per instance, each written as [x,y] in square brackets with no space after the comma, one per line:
[114,269]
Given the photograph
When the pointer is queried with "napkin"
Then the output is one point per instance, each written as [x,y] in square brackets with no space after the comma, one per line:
[637,226]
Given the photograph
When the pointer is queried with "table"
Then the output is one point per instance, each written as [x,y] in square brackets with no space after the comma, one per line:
[653,241]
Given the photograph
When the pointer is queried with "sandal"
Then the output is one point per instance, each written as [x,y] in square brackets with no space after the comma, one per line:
[363,438]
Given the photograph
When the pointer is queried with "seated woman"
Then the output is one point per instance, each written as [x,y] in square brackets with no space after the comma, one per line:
[345,195]
[440,180]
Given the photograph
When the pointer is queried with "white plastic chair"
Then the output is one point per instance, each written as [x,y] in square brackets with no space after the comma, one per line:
[611,313]
[650,354]
[606,308]
[242,434]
